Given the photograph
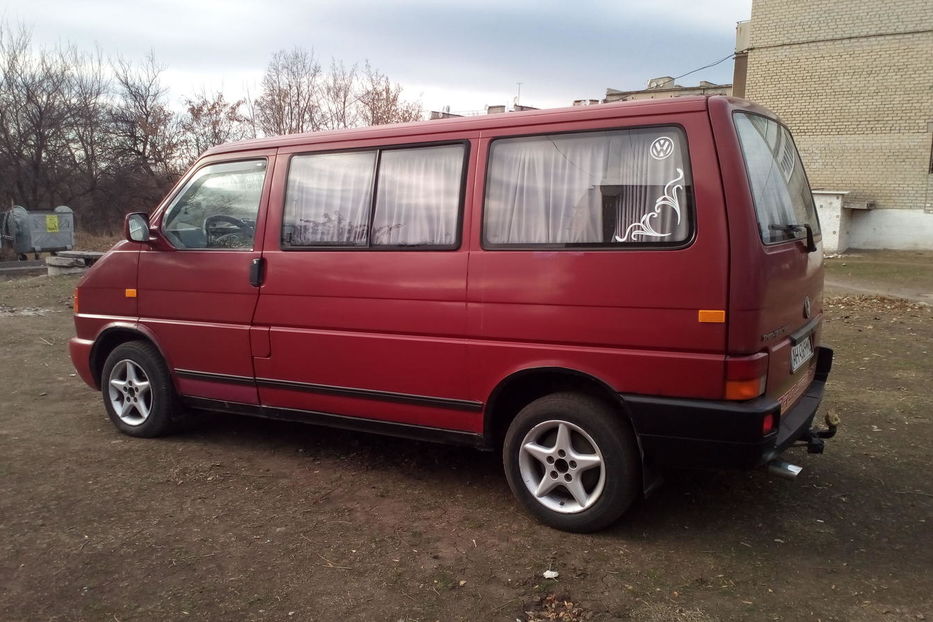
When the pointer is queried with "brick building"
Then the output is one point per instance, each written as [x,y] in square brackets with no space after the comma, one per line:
[853,79]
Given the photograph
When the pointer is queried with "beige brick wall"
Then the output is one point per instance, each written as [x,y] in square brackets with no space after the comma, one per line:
[858,106]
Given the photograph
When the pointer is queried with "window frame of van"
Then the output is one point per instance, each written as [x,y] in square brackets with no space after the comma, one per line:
[595,246]
[170,203]
[800,235]
[456,245]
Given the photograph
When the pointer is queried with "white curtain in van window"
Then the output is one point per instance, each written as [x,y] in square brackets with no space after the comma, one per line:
[592,188]
[418,196]
[328,199]
[653,181]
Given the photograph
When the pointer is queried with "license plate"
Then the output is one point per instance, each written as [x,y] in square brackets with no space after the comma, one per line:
[801,353]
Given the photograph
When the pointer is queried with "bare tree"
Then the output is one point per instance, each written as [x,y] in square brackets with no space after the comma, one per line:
[290,100]
[145,140]
[145,129]
[89,144]
[210,121]
[380,101]
[298,96]
[106,141]
[35,110]
[338,96]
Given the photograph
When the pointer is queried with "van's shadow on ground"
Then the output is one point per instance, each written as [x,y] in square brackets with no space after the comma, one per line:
[736,506]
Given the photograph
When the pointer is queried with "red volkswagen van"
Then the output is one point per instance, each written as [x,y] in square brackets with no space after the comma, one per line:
[597,292]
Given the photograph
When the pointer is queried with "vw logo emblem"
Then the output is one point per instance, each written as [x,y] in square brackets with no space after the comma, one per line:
[806,307]
[662,148]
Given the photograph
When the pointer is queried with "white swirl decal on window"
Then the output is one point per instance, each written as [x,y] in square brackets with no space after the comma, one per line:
[644,228]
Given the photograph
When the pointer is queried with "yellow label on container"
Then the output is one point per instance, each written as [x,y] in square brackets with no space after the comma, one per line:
[51,224]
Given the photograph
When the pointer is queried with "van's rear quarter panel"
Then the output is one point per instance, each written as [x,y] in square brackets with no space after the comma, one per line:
[627,317]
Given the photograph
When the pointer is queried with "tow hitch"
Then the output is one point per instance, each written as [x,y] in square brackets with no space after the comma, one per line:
[814,436]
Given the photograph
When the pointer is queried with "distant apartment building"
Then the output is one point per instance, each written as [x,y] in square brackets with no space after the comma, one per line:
[494,109]
[663,87]
[853,79]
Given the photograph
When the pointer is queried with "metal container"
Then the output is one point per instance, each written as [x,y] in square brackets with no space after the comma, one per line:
[37,231]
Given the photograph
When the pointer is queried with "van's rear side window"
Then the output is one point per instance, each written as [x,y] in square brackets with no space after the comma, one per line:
[590,189]
[782,197]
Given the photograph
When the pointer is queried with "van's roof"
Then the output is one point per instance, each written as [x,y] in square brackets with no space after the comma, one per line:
[476,123]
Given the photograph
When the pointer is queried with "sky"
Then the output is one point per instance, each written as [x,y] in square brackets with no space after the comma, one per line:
[465,55]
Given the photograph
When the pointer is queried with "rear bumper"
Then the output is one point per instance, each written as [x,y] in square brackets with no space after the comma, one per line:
[721,434]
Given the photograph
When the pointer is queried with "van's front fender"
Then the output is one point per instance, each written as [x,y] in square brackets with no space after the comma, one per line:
[89,355]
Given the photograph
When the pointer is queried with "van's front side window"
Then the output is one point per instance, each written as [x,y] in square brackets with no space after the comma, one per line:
[782,197]
[217,208]
[604,189]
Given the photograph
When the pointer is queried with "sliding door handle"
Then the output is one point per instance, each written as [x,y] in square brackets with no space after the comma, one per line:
[257,271]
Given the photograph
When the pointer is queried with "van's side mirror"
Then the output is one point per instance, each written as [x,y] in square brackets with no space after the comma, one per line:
[136,227]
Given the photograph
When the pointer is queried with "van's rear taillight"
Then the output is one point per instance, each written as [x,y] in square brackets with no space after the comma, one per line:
[74,300]
[746,376]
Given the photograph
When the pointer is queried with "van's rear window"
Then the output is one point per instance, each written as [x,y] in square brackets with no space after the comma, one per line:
[604,189]
[782,197]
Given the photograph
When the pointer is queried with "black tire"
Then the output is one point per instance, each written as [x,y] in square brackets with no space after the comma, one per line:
[163,414]
[609,493]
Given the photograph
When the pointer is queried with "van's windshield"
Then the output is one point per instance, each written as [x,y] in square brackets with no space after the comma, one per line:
[782,197]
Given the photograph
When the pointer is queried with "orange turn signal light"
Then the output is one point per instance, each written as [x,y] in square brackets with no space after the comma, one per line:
[746,376]
[130,293]
[74,300]
[744,389]
[711,316]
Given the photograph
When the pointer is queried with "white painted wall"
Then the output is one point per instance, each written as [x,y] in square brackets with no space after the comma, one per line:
[897,229]
[834,220]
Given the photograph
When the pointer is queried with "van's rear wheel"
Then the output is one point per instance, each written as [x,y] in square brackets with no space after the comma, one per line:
[572,462]
[137,390]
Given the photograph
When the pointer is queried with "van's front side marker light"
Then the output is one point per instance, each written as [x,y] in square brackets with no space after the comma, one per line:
[711,316]
[130,293]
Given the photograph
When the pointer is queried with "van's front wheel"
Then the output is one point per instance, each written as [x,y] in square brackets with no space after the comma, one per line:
[137,390]
[572,462]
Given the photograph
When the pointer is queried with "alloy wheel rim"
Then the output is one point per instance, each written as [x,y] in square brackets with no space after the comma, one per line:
[562,466]
[130,392]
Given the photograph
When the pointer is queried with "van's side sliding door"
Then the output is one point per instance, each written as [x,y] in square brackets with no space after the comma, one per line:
[364,294]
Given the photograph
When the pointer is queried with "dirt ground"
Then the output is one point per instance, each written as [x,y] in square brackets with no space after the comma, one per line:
[905,274]
[242,519]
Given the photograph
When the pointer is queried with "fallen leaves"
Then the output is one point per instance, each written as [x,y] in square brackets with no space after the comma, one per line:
[553,608]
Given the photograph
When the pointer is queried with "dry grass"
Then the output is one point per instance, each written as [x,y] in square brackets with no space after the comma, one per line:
[85,241]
